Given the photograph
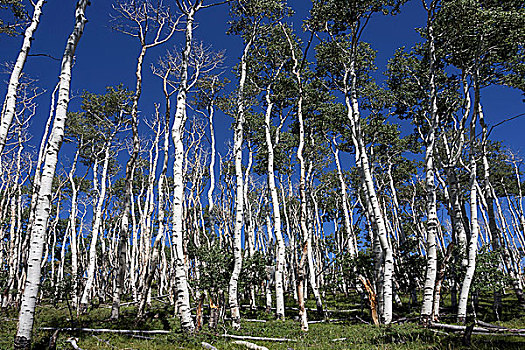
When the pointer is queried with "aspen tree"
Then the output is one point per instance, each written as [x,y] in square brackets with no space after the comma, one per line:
[73,226]
[208,89]
[301,268]
[267,76]
[250,16]
[38,229]
[430,142]
[183,300]
[474,225]
[96,126]
[150,264]
[163,26]
[484,48]
[343,59]
[15,171]
[9,106]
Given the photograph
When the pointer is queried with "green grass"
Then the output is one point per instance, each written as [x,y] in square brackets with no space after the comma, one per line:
[357,334]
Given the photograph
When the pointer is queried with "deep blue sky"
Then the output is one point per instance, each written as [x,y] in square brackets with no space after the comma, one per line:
[105,57]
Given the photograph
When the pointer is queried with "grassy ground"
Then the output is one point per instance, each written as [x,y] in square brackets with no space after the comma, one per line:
[357,334]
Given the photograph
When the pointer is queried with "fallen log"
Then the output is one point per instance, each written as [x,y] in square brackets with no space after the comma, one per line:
[244,337]
[339,339]
[513,334]
[141,337]
[249,345]
[489,325]
[247,320]
[102,330]
[456,328]
[439,332]
[342,311]
[326,321]
[476,330]
[208,346]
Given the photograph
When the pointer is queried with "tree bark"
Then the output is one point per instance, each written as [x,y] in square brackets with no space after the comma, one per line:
[301,268]
[474,227]
[431,205]
[239,198]
[73,230]
[280,261]
[96,228]
[9,107]
[38,230]
[183,298]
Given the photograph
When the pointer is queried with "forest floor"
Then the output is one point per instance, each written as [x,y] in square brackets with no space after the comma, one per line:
[347,330]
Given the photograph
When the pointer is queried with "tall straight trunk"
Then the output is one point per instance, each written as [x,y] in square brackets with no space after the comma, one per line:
[160,20]
[312,275]
[281,250]
[249,222]
[149,207]
[95,231]
[239,198]
[15,228]
[431,205]
[458,226]
[128,191]
[211,113]
[23,251]
[159,239]
[249,227]
[352,105]
[9,106]
[399,234]
[291,237]
[183,297]
[474,227]
[301,268]
[32,285]
[314,234]
[489,197]
[73,229]
[134,251]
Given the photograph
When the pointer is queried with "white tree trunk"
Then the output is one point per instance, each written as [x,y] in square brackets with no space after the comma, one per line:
[474,227]
[362,160]
[139,15]
[431,206]
[38,230]
[211,206]
[281,250]
[73,231]
[239,198]
[96,226]
[301,269]
[183,297]
[151,265]
[9,107]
